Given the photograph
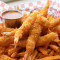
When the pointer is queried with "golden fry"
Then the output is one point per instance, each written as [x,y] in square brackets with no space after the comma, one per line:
[50,58]
[54,47]
[43,51]
[5,57]
[51,53]
[20,54]
[33,56]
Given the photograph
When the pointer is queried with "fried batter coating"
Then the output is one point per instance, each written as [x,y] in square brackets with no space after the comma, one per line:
[33,37]
[56,29]
[5,29]
[25,16]
[9,33]
[25,27]
[6,41]
[55,22]
[44,10]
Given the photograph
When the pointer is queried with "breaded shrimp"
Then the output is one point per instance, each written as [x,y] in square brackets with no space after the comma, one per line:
[9,33]
[6,41]
[44,22]
[41,41]
[25,16]
[44,10]
[5,57]
[56,29]
[5,29]
[33,37]
[25,27]
[55,22]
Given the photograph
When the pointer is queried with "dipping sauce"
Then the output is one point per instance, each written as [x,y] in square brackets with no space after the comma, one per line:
[11,15]
[12,18]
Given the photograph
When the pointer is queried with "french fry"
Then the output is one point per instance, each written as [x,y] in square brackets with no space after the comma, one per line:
[39,55]
[51,53]
[50,58]
[21,59]
[12,51]
[33,56]
[20,54]
[43,51]
[54,47]
[14,55]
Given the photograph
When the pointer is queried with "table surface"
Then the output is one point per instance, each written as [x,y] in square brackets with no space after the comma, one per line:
[19,2]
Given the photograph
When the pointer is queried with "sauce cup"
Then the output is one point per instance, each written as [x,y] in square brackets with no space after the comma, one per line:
[12,18]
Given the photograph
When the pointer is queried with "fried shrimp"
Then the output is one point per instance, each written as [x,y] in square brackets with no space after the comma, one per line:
[25,27]
[44,10]
[5,41]
[56,29]
[33,37]
[44,22]
[9,33]
[55,22]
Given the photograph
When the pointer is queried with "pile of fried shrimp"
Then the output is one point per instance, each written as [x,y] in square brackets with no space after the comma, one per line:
[38,38]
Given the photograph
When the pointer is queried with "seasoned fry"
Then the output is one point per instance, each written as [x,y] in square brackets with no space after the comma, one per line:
[12,51]
[20,54]
[33,56]
[5,57]
[51,53]
[25,27]
[14,55]
[54,47]
[50,58]
[43,51]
